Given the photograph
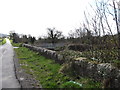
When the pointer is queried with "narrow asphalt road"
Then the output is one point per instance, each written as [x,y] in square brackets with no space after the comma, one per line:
[7,71]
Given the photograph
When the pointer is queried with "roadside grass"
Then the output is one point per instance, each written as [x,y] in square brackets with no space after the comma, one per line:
[47,71]
[11,41]
[15,44]
[3,41]
[0,41]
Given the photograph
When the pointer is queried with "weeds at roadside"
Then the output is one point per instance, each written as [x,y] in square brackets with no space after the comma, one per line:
[47,71]
[3,41]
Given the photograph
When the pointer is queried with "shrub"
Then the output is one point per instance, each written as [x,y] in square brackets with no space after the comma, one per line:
[79,47]
[117,63]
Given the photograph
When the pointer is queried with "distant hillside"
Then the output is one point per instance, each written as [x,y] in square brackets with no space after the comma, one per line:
[3,35]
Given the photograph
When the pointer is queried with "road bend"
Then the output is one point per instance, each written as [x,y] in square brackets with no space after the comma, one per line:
[7,77]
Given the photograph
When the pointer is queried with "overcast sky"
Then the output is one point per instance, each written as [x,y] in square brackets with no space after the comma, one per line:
[35,16]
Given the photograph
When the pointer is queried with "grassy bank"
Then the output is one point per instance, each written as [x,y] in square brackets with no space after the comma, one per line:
[16,44]
[47,71]
[2,41]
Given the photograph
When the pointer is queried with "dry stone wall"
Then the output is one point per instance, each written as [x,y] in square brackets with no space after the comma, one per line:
[103,72]
[47,53]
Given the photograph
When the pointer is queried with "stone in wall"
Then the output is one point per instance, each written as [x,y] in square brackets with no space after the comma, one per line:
[99,72]
[106,70]
[80,67]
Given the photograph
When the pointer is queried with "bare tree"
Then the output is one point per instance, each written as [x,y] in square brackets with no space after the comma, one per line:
[11,34]
[72,34]
[24,39]
[118,31]
[54,35]
[14,36]
[99,21]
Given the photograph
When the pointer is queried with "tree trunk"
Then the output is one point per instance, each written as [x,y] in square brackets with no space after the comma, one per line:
[118,31]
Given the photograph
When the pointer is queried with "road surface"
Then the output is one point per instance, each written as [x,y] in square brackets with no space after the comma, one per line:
[7,72]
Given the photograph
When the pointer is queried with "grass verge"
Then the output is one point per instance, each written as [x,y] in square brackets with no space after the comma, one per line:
[16,44]
[47,71]
[3,41]
[0,41]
